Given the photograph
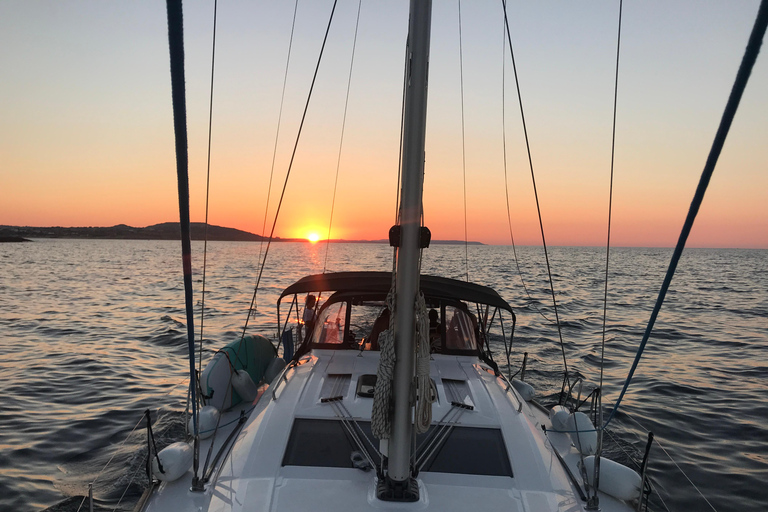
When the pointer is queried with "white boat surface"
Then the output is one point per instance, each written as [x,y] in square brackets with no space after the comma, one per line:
[294,452]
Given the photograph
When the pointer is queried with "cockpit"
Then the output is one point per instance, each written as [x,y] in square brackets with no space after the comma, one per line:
[348,310]
[357,321]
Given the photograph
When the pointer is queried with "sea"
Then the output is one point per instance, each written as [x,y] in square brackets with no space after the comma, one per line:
[93,334]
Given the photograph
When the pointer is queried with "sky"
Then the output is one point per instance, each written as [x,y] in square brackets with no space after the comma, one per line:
[86,133]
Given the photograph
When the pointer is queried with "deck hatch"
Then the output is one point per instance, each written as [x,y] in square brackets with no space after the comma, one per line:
[457,391]
[467,450]
[335,384]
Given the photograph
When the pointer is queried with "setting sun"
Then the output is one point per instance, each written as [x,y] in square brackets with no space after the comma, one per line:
[313,237]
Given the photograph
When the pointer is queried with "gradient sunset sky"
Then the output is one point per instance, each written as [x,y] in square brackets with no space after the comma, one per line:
[86,134]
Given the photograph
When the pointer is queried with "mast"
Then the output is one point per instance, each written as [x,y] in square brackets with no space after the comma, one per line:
[399,481]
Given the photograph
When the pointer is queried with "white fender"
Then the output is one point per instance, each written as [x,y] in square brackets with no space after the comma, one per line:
[274,369]
[243,384]
[176,460]
[526,390]
[559,416]
[615,479]
[207,418]
[586,437]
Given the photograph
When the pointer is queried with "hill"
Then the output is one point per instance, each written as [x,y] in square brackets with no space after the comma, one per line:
[164,231]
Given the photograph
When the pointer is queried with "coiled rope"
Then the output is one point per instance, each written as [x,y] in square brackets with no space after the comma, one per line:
[381,413]
[425,388]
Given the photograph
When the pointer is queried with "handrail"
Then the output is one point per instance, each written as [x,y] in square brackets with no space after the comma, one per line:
[226,446]
[280,380]
[507,388]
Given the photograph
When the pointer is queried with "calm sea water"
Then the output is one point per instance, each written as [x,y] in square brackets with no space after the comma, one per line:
[92,334]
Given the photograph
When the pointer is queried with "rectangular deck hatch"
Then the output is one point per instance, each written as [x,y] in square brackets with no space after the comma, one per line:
[467,450]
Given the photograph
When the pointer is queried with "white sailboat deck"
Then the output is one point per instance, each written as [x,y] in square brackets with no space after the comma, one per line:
[267,469]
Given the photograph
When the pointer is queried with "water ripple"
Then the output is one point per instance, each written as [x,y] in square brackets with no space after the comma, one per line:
[95,334]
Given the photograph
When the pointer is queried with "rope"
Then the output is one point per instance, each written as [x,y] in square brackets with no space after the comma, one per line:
[341,140]
[277,132]
[610,194]
[670,457]
[406,61]
[355,433]
[125,491]
[438,436]
[742,77]
[343,408]
[113,456]
[381,413]
[538,206]
[598,452]
[154,445]
[290,167]
[207,187]
[506,182]
[425,388]
[463,147]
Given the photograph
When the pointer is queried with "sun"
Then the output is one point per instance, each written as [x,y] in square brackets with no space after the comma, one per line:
[313,237]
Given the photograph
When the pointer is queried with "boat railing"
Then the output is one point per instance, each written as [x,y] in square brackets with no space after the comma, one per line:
[649,488]
[117,450]
[280,379]
[89,497]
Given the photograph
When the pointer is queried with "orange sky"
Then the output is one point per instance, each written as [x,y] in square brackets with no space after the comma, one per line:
[86,133]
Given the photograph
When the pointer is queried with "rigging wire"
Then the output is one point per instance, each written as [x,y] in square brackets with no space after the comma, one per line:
[506,182]
[599,450]
[127,487]
[538,207]
[638,469]
[610,194]
[114,454]
[341,140]
[740,83]
[656,440]
[277,131]
[463,146]
[406,61]
[119,448]
[290,167]
[207,187]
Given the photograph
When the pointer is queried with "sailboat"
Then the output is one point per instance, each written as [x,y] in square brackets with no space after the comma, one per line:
[391,399]
[309,440]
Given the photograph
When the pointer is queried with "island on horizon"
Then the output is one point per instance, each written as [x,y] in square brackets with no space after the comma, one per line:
[163,231]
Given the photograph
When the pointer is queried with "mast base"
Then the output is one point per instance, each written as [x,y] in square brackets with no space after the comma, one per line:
[391,490]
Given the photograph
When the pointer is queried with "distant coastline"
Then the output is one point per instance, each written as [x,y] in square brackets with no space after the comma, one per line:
[164,231]
[12,239]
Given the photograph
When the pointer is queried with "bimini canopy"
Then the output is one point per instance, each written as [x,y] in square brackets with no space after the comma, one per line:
[379,282]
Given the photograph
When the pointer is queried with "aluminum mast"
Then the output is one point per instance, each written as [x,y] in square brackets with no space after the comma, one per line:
[407,281]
